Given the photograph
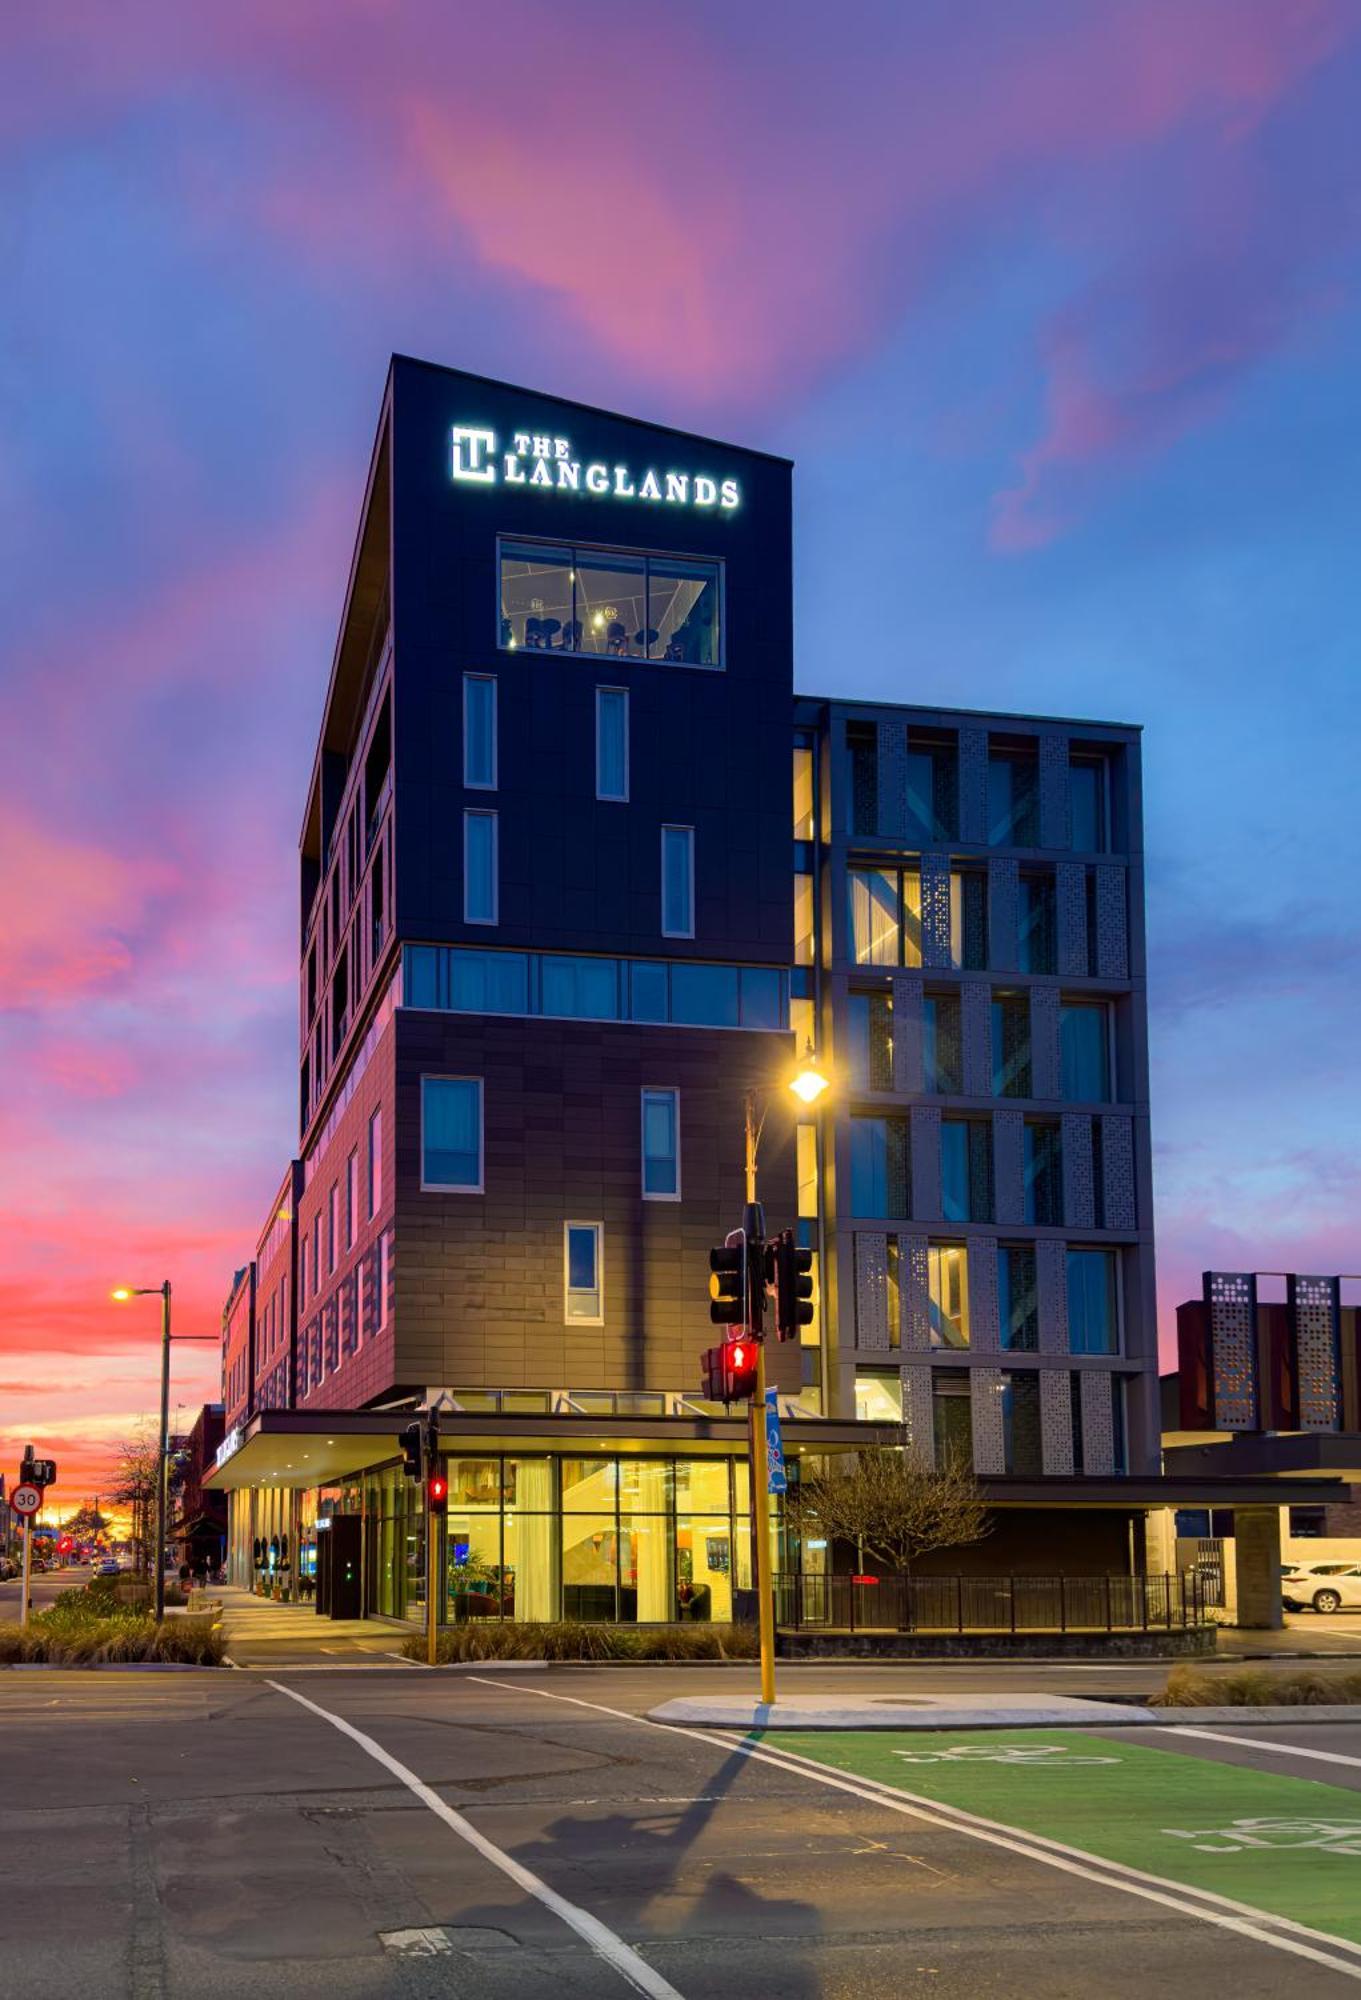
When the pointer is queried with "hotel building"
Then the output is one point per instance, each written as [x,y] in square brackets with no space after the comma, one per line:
[578,872]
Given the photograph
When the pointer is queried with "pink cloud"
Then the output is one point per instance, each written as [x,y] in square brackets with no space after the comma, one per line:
[68,906]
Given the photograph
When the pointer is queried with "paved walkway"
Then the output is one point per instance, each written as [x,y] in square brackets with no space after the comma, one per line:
[260,1633]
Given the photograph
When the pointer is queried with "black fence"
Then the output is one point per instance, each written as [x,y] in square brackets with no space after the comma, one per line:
[988,1603]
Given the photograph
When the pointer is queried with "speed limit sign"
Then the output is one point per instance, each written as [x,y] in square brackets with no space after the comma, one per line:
[26,1499]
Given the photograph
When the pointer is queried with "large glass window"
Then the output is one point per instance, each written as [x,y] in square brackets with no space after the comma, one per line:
[607,602]
[678,881]
[803,920]
[375,1162]
[462,979]
[880,1179]
[1011,1045]
[932,786]
[948,1285]
[1093,1323]
[583,1283]
[969,919]
[1084,1044]
[661,1145]
[884,916]
[705,994]
[941,1050]
[612,743]
[479,868]
[1087,790]
[584,989]
[1043,1170]
[878,1397]
[451,1133]
[804,821]
[479,732]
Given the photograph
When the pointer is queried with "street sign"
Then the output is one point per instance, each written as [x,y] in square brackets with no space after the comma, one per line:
[26,1499]
[39,1471]
[777,1479]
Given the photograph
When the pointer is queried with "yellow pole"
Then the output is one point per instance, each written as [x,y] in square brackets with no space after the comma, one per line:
[756,1444]
[431,1578]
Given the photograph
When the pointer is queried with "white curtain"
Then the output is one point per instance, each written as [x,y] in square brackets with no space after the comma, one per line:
[534,1542]
[651,1527]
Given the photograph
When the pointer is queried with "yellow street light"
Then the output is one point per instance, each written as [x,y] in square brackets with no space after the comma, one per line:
[809,1079]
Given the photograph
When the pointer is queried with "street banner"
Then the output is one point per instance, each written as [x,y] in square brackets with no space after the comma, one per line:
[777,1479]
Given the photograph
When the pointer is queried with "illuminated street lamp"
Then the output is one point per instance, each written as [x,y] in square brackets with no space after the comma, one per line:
[809,1079]
[123,1293]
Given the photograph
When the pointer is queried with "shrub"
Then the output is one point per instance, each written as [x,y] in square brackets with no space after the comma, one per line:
[1254,1687]
[65,1641]
[491,1640]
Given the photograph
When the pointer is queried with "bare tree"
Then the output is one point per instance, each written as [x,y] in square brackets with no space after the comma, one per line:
[138,1462]
[891,1503]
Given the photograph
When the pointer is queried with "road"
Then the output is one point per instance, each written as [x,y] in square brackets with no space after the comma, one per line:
[44,1589]
[530,1834]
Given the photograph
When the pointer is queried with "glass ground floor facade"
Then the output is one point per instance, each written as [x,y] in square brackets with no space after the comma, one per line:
[602,1538]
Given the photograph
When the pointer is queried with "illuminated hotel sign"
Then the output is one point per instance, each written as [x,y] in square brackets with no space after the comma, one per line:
[535,459]
[229,1447]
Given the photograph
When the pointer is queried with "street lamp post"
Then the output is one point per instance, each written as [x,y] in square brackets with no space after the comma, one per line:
[807,1083]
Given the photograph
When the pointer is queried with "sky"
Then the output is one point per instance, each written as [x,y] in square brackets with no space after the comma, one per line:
[1055,303]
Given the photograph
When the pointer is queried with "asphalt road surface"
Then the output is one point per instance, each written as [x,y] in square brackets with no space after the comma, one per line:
[383,1831]
[44,1588]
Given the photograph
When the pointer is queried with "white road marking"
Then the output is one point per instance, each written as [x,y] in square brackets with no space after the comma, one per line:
[1228,1914]
[601,1939]
[1260,1743]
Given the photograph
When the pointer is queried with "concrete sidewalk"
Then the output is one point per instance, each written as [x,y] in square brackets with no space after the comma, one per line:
[1010,1711]
[261,1633]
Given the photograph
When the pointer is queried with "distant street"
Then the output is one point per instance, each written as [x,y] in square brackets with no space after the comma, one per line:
[530,1834]
[44,1589]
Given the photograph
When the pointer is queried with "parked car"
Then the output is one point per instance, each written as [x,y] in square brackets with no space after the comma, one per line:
[108,1566]
[1322,1586]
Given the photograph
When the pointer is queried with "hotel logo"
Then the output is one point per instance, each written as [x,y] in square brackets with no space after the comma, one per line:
[476,459]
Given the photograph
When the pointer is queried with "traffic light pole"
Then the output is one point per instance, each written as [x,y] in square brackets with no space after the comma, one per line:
[760,1495]
[432,1520]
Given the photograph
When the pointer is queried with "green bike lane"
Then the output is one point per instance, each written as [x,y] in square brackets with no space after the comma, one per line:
[1285,1845]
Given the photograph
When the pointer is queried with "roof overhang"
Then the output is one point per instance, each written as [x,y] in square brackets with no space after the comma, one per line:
[306,1448]
[1272,1455]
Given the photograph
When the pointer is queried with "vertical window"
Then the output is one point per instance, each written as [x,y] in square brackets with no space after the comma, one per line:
[969,919]
[612,743]
[803,920]
[869,1022]
[1038,933]
[359,1303]
[316,1253]
[375,1162]
[380,1282]
[302,1271]
[661,1145]
[1093,1325]
[1018,1298]
[806,1146]
[1043,1168]
[332,1226]
[874,920]
[678,881]
[583,1288]
[1013,798]
[952,1417]
[1084,1046]
[1021,1442]
[804,823]
[1088,792]
[1011,1045]
[941,1053]
[479,868]
[932,786]
[451,1133]
[479,732]
[351,1196]
[966,1169]
[948,1286]
[880,1173]
[862,751]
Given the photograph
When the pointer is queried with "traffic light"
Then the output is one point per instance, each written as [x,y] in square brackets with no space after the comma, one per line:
[791,1271]
[730,1371]
[413,1450]
[437,1492]
[728,1281]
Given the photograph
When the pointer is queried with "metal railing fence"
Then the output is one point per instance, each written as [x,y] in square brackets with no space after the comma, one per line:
[988,1603]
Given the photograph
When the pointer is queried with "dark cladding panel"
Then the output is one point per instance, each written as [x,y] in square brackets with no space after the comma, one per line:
[1231,1300]
[1315,1308]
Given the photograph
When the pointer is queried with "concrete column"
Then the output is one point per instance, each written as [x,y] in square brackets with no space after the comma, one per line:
[1257,1567]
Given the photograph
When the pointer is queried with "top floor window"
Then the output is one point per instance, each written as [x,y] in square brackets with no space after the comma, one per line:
[612,604]
[1088,792]
[1013,796]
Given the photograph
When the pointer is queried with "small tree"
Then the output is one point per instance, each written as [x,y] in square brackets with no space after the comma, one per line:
[892,1503]
[135,1481]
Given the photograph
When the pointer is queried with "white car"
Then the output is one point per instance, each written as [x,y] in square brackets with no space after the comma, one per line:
[1322,1586]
